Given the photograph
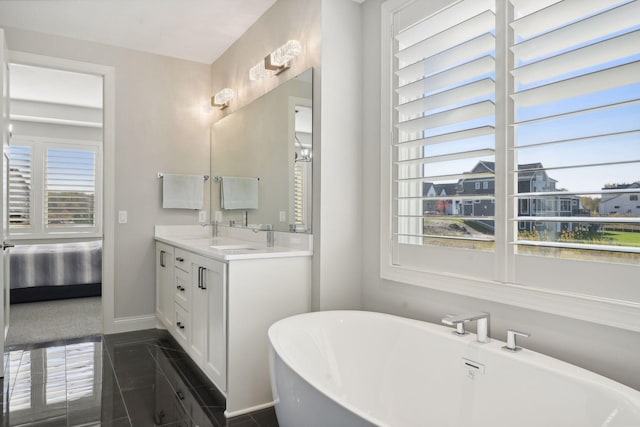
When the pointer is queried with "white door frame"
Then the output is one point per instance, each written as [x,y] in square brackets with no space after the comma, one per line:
[108,147]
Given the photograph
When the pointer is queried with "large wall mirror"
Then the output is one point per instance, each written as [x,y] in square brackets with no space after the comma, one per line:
[269,140]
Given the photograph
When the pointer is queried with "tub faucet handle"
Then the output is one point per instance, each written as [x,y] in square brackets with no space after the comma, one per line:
[511,340]
[482,323]
[459,326]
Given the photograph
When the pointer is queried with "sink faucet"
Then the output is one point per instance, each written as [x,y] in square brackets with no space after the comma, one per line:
[214,228]
[482,321]
[270,236]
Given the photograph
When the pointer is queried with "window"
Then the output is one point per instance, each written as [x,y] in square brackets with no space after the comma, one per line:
[540,99]
[633,197]
[54,188]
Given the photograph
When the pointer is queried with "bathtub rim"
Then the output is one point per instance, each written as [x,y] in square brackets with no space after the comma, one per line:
[536,359]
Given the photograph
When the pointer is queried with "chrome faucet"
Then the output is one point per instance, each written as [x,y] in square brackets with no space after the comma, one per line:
[482,323]
[214,228]
[511,340]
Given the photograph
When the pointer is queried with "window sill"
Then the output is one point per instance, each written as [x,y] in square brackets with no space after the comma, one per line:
[609,312]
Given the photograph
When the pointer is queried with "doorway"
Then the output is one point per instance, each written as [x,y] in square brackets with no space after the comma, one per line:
[65,123]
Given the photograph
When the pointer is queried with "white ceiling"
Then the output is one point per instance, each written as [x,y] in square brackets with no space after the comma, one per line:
[196,30]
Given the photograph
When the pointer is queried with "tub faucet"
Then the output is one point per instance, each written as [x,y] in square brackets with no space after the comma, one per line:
[482,321]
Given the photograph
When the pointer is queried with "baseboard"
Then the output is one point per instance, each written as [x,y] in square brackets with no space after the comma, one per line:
[134,323]
[229,414]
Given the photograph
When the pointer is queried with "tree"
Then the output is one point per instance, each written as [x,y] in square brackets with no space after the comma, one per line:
[592,204]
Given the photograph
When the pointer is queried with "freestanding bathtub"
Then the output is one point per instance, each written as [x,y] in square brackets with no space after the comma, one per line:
[354,368]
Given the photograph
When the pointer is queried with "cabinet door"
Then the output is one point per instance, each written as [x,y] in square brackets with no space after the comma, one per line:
[215,357]
[198,311]
[209,318]
[164,284]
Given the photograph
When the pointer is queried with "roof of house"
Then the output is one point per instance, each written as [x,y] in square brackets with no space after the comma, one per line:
[622,186]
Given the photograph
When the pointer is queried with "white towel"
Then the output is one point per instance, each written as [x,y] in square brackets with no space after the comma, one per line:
[182,191]
[239,192]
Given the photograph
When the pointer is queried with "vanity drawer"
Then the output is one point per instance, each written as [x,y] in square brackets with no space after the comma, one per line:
[182,259]
[182,327]
[182,288]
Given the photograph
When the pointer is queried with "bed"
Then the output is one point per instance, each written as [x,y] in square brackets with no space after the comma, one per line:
[55,271]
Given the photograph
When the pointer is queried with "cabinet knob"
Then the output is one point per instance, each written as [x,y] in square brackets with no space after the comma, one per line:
[179,259]
[180,325]
[180,288]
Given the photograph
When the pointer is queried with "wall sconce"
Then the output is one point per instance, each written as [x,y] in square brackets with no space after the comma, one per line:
[222,98]
[277,61]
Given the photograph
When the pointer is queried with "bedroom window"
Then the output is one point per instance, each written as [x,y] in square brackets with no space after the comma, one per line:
[54,189]
[540,99]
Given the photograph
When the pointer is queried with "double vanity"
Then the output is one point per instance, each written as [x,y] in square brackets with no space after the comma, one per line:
[217,296]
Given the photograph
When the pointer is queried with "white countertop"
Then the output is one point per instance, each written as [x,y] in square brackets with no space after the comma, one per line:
[197,240]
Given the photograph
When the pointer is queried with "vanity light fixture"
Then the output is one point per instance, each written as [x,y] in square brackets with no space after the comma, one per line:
[277,61]
[222,98]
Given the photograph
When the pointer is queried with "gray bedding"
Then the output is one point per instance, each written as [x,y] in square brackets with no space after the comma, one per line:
[57,264]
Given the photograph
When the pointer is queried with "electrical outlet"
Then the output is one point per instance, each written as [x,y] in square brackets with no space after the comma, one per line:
[202,216]
[122,217]
[283,216]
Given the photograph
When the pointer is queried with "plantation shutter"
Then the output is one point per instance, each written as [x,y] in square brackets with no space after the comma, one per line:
[444,116]
[298,194]
[576,95]
[20,186]
[70,187]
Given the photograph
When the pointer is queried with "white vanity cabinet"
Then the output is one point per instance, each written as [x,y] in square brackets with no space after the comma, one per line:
[164,283]
[222,319]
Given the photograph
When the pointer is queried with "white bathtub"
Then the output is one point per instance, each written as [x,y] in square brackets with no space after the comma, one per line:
[353,368]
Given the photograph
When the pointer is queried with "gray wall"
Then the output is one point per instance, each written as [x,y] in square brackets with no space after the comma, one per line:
[608,351]
[337,174]
[160,127]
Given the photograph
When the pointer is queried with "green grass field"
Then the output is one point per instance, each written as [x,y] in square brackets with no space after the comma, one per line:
[625,238]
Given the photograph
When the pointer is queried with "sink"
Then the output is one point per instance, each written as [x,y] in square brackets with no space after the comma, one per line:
[237,247]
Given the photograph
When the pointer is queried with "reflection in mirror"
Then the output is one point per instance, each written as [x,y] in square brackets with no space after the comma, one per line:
[270,139]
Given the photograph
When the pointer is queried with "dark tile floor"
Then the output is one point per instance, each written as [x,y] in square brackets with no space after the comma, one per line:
[135,379]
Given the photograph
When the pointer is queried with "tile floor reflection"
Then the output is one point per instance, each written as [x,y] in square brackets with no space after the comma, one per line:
[140,378]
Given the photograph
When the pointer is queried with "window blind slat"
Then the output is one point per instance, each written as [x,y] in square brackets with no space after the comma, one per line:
[446,137]
[558,14]
[581,32]
[598,53]
[457,75]
[481,45]
[526,7]
[457,12]
[452,177]
[447,157]
[447,39]
[481,88]
[589,83]
[456,115]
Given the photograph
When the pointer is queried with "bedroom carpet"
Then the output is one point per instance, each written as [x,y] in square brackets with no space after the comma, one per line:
[47,321]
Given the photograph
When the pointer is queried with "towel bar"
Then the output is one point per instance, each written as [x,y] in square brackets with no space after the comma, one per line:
[161,175]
